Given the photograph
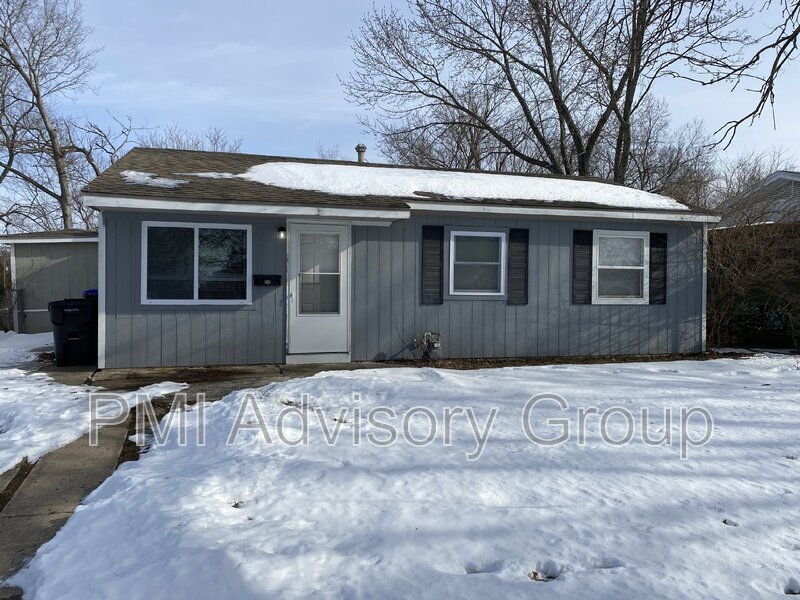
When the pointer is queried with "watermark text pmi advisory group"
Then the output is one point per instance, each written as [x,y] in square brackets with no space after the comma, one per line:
[544,419]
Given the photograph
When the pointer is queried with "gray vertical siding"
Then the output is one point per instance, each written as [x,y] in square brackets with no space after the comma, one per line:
[388,316]
[51,271]
[159,336]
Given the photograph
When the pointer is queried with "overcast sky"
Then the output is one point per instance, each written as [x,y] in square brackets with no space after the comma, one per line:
[266,72]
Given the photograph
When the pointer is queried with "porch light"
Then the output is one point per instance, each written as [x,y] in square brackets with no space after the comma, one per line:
[281,233]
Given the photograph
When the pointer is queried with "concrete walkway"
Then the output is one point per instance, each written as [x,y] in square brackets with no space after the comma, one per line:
[217,382]
[60,480]
[50,493]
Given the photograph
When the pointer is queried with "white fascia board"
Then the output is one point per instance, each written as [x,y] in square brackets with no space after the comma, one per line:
[92,240]
[579,213]
[243,208]
[250,208]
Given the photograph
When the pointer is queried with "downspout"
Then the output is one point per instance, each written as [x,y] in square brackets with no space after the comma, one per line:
[705,287]
[14,311]
[101,292]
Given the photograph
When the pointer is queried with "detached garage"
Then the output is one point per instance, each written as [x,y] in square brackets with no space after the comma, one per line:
[47,266]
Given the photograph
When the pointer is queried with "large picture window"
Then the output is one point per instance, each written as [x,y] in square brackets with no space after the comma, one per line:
[197,263]
[477,260]
[620,267]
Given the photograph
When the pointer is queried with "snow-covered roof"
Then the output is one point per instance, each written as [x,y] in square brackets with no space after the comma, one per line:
[220,176]
[354,180]
[142,178]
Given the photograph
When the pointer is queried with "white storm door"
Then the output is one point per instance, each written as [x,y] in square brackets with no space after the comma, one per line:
[319,309]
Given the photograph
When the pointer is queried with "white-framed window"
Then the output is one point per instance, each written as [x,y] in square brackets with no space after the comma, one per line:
[196,263]
[477,263]
[621,267]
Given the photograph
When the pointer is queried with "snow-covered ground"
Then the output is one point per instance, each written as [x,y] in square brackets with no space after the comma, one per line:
[16,349]
[38,414]
[266,520]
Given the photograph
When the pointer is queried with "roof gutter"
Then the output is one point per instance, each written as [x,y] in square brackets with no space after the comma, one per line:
[580,213]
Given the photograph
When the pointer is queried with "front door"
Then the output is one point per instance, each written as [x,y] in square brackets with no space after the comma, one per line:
[318,302]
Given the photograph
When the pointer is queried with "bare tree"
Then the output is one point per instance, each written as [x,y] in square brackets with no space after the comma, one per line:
[773,52]
[47,156]
[754,256]
[680,163]
[212,139]
[449,141]
[43,58]
[738,192]
[101,146]
[329,152]
[676,162]
[560,77]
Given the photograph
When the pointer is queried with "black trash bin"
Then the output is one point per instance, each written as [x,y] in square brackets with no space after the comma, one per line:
[74,331]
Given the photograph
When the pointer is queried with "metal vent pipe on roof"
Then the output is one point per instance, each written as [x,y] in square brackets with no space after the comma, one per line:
[362,150]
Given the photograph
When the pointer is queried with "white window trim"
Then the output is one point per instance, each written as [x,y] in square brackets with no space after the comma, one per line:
[501,235]
[642,235]
[197,301]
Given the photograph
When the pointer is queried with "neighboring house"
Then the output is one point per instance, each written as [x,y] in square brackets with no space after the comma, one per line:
[754,298]
[776,200]
[217,258]
[47,266]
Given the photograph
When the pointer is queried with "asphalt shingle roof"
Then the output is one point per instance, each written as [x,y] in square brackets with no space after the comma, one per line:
[183,165]
[48,235]
[176,164]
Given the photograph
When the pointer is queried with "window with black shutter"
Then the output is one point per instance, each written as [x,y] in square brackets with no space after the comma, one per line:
[619,267]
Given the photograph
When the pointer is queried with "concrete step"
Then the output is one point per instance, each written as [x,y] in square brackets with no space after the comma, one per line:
[7,477]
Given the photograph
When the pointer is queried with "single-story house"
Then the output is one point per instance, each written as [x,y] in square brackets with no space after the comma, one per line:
[211,258]
[47,266]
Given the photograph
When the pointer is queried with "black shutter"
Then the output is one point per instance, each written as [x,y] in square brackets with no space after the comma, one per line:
[658,268]
[517,266]
[432,259]
[582,241]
